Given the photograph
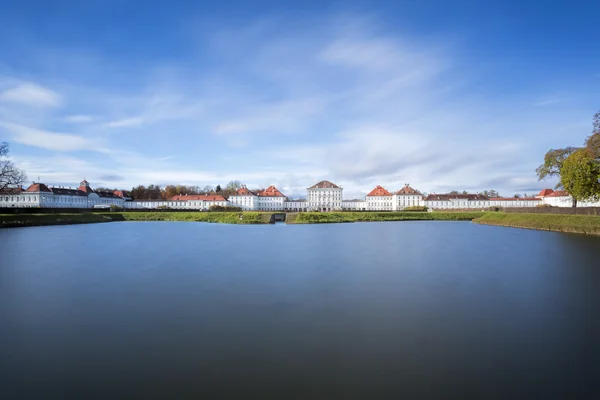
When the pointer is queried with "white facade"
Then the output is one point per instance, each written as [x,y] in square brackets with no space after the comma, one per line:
[354,205]
[296,205]
[324,196]
[407,197]
[38,195]
[458,201]
[245,199]
[271,199]
[561,198]
[515,202]
[192,205]
[271,203]
[379,199]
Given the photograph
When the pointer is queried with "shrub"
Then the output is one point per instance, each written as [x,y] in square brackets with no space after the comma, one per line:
[544,206]
[416,208]
[217,208]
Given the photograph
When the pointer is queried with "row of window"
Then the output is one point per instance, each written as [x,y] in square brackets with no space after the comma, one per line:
[20,198]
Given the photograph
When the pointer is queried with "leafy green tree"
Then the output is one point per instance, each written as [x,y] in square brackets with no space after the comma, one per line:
[580,176]
[553,163]
[593,142]
[218,188]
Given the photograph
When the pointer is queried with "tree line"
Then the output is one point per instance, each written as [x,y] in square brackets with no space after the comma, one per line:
[578,168]
[494,193]
[156,192]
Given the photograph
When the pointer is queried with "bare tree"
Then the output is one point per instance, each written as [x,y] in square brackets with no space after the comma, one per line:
[10,175]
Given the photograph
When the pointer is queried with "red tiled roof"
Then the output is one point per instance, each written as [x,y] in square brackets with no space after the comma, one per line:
[121,193]
[8,190]
[559,193]
[407,190]
[204,197]
[85,189]
[513,198]
[37,187]
[447,197]
[324,185]
[379,191]
[545,192]
[243,192]
[271,191]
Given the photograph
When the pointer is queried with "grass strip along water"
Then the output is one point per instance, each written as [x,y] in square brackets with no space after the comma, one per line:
[586,224]
[22,220]
[215,217]
[337,217]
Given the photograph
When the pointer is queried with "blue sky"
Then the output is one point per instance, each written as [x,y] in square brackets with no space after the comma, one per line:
[440,94]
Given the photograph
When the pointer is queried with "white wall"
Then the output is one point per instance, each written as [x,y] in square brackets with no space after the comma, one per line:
[324,198]
[401,201]
[245,202]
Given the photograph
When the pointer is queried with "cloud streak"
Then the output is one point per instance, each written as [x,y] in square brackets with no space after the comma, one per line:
[50,140]
[30,94]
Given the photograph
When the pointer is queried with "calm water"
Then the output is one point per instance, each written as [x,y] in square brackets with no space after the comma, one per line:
[366,310]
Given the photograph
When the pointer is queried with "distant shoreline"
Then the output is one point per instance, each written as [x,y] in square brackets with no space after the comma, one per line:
[582,224]
[237,218]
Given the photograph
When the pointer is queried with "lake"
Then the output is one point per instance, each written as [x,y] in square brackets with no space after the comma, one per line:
[364,310]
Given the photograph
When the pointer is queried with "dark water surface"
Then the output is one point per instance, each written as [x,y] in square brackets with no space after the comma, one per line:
[365,310]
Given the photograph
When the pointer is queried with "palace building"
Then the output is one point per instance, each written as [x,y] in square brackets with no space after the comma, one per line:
[39,195]
[322,196]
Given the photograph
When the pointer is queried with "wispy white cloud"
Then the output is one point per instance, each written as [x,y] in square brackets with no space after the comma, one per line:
[79,118]
[126,123]
[546,101]
[280,117]
[30,94]
[50,140]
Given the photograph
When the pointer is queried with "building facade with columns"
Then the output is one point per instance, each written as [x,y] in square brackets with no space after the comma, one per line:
[324,196]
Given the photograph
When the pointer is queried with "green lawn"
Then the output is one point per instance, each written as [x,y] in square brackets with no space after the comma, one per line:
[216,217]
[16,220]
[588,224]
[349,216]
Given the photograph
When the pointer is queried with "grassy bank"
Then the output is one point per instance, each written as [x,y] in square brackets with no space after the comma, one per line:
[20,220]
[585,224]
[215,217]
[337,217]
